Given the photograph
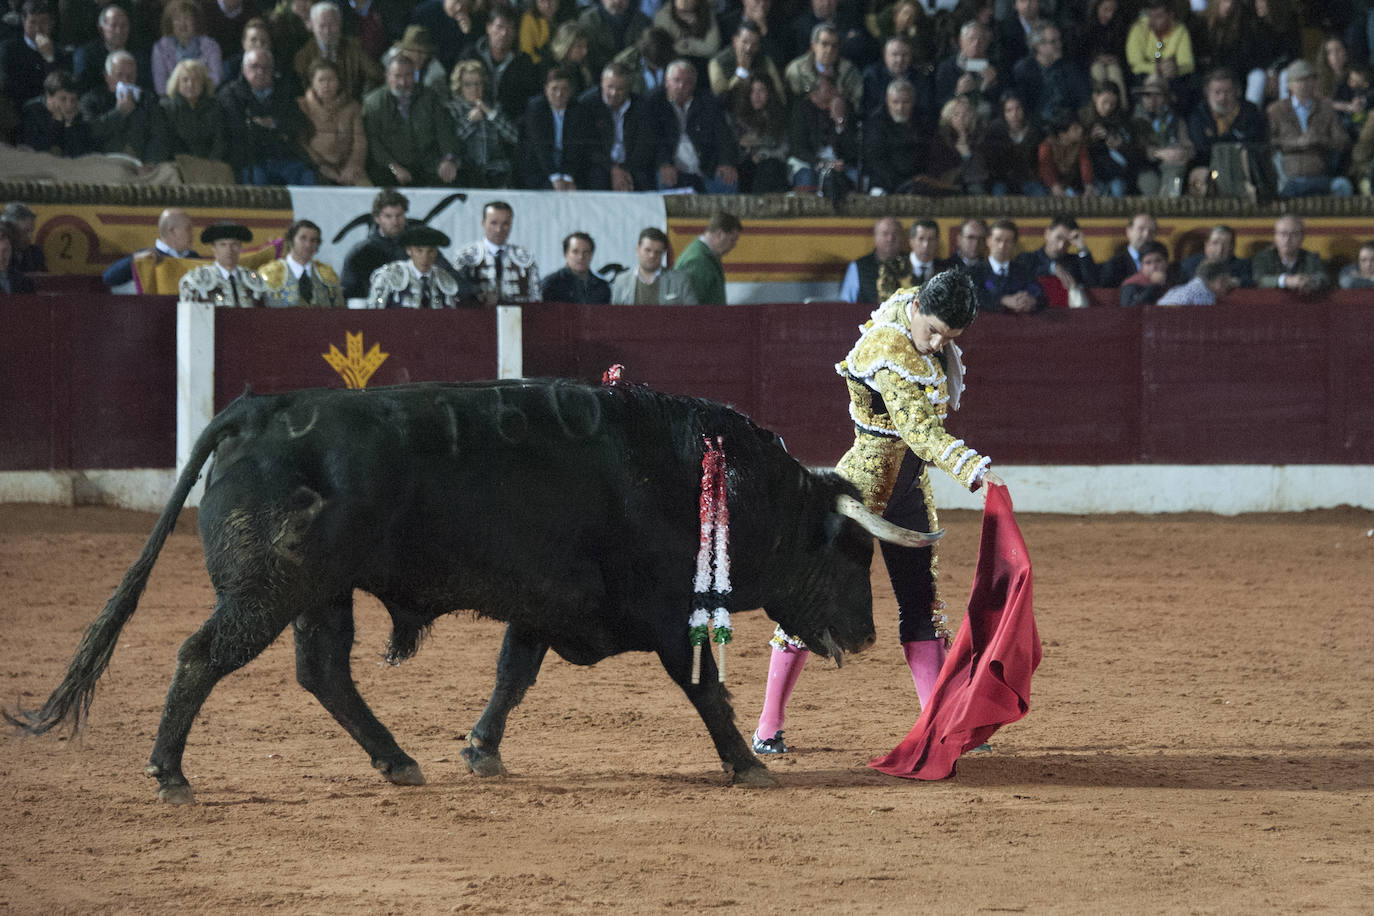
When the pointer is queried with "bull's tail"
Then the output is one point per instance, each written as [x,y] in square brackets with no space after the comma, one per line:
[71,701]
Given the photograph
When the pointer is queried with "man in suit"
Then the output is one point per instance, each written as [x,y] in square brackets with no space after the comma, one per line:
[1288,265]
[28,58]
[1220,248]
[552,147]
[174,237]
[124,117]
[610,120]
[970,246]
[224,283]
[650,283]
[264,126]
[1141,229]
[1003,285]
[687,141]
[882,270]
[923,255]
[411,139]
[88,60]
[1072,269]
[575,282]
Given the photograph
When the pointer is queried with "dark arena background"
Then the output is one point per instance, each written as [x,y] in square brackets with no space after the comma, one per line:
[1193,488]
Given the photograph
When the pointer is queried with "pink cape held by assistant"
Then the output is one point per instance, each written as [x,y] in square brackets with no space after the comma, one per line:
[985,681]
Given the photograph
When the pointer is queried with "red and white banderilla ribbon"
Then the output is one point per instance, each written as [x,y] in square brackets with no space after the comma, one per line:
[711,585]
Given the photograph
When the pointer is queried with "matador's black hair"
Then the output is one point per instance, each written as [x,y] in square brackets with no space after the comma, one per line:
[951,297]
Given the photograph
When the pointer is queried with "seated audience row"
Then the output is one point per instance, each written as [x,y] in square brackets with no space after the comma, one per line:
[492,270]
[1060,270]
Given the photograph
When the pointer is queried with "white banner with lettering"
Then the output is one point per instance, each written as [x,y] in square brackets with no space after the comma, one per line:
[542,219]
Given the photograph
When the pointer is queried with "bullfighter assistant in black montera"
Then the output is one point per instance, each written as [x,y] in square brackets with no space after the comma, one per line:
[567,511]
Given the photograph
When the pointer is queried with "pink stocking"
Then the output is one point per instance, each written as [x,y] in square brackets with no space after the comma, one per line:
[784,668]
[925,659]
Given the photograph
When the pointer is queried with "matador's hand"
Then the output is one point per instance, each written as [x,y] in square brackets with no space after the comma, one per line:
[991,479]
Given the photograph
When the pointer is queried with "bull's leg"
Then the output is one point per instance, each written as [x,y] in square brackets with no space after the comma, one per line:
[712,701]
[323,643]
[516,669]
[230,639]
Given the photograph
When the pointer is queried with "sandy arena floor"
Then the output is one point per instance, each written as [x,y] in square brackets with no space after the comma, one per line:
[1199,741]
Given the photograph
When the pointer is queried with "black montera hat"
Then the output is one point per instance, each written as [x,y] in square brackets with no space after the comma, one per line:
[226,230]
[422,237]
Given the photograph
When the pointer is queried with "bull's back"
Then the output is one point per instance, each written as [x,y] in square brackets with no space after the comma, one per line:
[439,485]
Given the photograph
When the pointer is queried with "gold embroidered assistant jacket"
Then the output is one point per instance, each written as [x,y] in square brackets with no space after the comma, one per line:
[283,289]
[898,399]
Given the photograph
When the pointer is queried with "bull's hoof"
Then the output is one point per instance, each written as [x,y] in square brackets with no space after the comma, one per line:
[756,777]
[406,775]
[483,764]
[176,795]
[400,773]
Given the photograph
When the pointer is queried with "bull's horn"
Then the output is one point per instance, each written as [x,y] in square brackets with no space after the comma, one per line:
[881,528]
[832,648]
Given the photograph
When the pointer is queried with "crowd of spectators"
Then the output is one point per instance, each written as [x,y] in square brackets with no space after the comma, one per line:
[1032,97]
[1012,278]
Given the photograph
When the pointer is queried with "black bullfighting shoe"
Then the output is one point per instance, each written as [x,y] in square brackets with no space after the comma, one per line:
[773,745]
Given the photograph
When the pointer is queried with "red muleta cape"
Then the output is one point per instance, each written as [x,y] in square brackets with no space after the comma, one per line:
[985,682]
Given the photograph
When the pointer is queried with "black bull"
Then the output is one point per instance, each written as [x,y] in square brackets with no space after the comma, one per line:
[570,512]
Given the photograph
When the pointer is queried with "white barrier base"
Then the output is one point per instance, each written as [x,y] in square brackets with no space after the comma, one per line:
[1071,489]
[1224,489]
[145,489]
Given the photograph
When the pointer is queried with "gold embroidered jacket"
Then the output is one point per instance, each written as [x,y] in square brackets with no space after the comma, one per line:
[898,399]
[283,289]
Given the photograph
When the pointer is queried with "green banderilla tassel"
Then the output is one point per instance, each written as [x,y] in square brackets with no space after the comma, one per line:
[698,632]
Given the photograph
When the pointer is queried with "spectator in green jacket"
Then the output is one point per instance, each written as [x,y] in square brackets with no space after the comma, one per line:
[701,261]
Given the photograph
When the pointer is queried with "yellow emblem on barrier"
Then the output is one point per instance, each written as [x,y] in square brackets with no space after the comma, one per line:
[357,367]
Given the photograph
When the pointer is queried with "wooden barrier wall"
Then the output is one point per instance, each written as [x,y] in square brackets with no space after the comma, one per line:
[90,383]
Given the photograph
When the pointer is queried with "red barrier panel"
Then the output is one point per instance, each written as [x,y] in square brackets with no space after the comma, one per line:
[87,383]
[281,349]
[774,362]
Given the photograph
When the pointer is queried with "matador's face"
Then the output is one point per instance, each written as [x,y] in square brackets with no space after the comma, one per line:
[928,333]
